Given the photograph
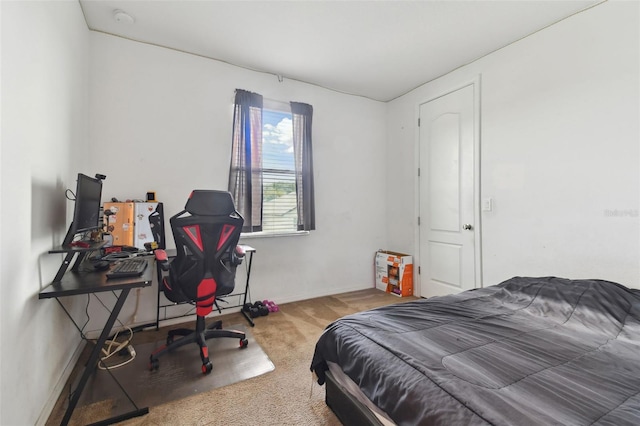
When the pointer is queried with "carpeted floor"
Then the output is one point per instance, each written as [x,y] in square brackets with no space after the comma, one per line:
[285,396]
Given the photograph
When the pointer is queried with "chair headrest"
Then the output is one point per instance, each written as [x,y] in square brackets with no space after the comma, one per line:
[206,202]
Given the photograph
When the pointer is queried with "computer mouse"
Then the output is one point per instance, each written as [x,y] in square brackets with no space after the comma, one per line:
[102,265]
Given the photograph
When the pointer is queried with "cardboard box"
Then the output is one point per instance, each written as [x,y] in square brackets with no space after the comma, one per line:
[394,273]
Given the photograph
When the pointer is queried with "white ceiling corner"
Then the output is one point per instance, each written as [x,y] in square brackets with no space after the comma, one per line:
[376,49]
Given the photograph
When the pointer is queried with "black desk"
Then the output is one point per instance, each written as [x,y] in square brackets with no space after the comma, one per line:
[74,283]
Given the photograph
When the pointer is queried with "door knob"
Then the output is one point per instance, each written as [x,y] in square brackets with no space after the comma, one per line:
[467,227]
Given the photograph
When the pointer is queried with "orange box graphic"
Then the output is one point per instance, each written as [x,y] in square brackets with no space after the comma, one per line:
[394,273]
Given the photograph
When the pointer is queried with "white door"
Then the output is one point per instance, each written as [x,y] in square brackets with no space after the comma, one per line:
[448,228]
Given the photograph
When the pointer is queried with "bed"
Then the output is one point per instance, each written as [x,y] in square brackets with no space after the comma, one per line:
[527,351]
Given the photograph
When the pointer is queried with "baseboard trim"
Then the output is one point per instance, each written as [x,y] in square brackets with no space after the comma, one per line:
[60,385]
[328,292]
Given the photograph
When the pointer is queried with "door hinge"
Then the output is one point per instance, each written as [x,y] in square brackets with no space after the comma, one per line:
[418,171]
[418,122]
[419,270]
[418,220]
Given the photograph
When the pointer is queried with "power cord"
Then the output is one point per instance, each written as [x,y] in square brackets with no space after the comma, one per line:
[67,192]
[109,351]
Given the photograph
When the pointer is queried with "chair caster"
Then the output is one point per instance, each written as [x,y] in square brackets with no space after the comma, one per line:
[244,343]
[206,368]
[154,364]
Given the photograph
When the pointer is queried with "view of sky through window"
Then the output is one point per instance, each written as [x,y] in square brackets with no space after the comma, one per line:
[278,172]
[277,140]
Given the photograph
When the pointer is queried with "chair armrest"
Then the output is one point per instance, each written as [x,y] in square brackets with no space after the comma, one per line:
[237,256]
[162,259]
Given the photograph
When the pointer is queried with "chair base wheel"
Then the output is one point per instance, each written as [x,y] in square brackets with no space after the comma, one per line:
[154,364]
[207,368]
[244,343]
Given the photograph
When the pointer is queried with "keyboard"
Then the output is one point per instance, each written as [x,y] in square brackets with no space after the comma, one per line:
[133,267]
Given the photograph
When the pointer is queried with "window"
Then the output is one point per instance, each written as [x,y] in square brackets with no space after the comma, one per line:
[279,202]
[271,172]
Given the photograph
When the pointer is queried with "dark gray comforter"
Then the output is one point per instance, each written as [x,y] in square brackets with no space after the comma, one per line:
[527,351]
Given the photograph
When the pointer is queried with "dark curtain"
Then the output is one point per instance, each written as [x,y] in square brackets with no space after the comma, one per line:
[245,173]
[302,115]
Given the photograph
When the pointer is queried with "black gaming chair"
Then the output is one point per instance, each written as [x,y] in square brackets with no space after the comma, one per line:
[206,234]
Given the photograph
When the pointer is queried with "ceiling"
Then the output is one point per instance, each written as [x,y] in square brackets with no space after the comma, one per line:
[376,49]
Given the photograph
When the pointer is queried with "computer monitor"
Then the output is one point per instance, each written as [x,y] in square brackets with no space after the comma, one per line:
[86,213]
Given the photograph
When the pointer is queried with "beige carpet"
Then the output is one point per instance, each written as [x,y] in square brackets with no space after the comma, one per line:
[284,396]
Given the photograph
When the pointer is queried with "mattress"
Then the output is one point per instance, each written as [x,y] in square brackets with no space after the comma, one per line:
[526,351]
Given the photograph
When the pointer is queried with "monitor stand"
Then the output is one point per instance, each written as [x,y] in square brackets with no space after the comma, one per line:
[71,251]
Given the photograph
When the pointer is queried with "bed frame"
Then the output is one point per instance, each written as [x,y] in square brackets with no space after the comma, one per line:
[346,407]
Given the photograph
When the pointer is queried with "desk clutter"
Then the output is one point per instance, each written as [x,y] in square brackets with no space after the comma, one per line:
[134,223]
[117,261]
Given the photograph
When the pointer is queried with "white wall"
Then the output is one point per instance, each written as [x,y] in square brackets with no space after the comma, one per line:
[559,151]
[161,120]
[44,139]
[559,156]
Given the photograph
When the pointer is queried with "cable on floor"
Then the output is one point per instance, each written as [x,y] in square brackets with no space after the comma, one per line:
[109,351]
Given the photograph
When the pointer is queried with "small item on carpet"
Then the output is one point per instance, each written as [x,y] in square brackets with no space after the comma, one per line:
[263,311]
[258,309]
[271,305]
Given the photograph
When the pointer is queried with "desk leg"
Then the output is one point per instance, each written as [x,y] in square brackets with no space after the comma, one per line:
[93,363]
[248,318]
[246,291]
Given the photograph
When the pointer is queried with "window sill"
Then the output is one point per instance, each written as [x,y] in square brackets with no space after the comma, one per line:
[250,235]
